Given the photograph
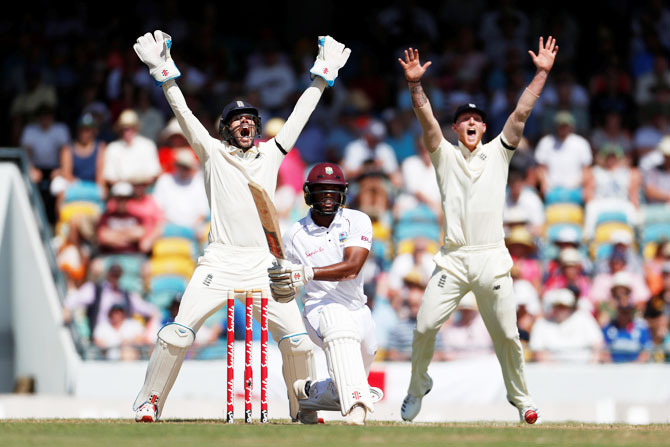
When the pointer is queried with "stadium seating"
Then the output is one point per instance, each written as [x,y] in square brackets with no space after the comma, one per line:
[570,213]
[163,288]
[420,221]
[564,195]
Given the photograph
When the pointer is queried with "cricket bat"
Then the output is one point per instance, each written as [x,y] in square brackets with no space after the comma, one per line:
[269,221]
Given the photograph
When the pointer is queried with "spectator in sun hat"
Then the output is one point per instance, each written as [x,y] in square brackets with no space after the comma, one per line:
[603,282]
[657,178]
[570,274]
[522,248]
[563,157]
[131,155]
[181,194]
[622,241]
[565,333]
[627,335]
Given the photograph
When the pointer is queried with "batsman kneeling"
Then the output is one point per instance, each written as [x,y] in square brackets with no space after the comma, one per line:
[325,252]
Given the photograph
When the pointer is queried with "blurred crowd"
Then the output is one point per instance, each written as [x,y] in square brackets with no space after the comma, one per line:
[587,217]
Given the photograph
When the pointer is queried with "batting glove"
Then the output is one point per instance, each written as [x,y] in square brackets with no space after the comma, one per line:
[154,51]
[288,274]
[282,293]
[332,56]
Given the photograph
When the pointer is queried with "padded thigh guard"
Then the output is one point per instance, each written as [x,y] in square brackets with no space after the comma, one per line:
[168,355]
[297,353]
[342,345]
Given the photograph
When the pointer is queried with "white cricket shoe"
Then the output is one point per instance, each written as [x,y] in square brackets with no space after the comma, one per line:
[412,404]
[357,415]
[376,393]
[147,412]
[530,415]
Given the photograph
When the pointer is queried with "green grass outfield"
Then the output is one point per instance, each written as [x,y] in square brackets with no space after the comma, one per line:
[126,433]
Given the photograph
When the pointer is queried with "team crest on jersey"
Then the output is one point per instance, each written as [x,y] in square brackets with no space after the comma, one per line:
[343,236]
[329,170]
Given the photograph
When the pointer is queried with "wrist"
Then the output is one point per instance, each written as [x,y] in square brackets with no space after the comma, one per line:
[418,81]
[309,273]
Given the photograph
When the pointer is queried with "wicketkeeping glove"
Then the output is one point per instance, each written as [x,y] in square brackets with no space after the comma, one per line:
[154,51]
[332,56]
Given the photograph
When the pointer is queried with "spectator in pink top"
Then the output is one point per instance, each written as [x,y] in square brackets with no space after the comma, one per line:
[570,275]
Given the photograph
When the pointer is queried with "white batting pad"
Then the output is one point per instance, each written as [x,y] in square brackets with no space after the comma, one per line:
[297,353]
[166,360]
[342,345]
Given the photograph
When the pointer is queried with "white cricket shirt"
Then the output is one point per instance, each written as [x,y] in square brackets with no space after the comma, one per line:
[234,218]
[311,244]
[472,187]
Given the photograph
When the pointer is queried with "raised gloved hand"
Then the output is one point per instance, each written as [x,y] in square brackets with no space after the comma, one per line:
[332,56]
[154,51]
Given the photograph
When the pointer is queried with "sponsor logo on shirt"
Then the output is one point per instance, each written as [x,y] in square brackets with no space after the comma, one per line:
[365,239]
[356,395]
[310,253]
[482,155]
[343,236]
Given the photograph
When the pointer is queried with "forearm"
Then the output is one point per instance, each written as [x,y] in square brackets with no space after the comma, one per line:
[342,271]
[288,134]
[432,134]
[513,129]
[196,134]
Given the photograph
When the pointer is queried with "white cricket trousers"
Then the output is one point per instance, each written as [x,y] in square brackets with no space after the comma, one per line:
[484,270]
[223,268]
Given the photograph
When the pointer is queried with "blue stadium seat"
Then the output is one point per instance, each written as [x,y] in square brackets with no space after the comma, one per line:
[654,214]
[81,191]
[564,195]
[163,288]
[611,216]
[420,221]
[655,232]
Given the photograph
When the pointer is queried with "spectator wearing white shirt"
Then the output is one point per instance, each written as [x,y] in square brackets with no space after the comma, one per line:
[181,194]
[119,337]
[522,200]
[419,182]
[563,156]
[371,153]
[132,155]
[566,334]
[43,140]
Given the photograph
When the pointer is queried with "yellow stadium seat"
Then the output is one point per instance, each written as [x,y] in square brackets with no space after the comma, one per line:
[564,213]
[171,265]
[173,246]
[649,251]
[71,209]
[604,231]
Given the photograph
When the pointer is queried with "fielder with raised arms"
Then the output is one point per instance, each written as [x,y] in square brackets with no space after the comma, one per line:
[325,252]
[472,178]
[237,256]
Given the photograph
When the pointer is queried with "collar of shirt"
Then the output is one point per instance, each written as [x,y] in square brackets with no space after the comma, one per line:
[249,154]
[313,227]
[466,152]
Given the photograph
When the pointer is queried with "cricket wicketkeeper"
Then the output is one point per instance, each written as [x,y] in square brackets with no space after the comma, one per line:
[237,256]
